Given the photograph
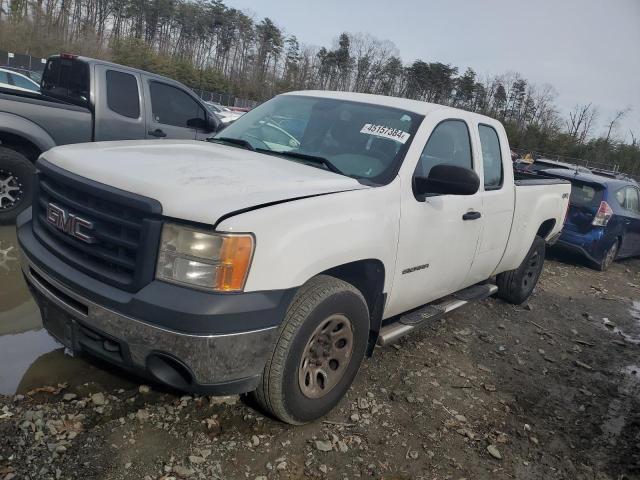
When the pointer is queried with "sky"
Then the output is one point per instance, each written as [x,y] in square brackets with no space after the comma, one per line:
[589,50]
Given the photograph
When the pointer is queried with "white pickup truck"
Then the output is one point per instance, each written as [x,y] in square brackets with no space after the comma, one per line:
[275,257]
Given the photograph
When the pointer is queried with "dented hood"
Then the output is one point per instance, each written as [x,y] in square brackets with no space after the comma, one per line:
[197,181]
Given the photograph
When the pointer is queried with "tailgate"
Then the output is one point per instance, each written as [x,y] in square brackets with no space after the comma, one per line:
[583,205]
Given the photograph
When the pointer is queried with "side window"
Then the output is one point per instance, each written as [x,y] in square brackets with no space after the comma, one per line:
[22,82]
[491,157]
[4,77]
[172,106]
[449,143]
[122,94]
[632,200]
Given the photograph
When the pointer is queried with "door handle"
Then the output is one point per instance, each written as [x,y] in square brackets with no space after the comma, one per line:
[157,133]
[471,215]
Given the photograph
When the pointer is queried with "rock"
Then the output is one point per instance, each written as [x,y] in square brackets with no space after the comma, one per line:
[342,447]
[355,417]
[183,471]
[67,397]
[323,468]
[489,388]
[324,445]
[494,452]
[255,441]
[261,477]
[281,466]
[142,415]
[583,365]
[127,465]
[144,389]
[461,418]
[363,403]
[196,459]
[98,399]
[413,455]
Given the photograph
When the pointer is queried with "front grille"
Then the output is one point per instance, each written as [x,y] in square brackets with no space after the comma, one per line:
[126,227]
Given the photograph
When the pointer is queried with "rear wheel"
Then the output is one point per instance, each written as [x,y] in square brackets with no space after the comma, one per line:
[609,257]
[321,345]
[516,286]
[16,183]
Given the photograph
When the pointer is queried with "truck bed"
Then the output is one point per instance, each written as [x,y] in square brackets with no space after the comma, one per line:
[51,121]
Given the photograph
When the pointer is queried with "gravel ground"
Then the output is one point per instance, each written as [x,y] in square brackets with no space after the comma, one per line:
[546,390]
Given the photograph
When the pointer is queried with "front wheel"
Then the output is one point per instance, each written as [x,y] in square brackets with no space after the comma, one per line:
[16,179]
[322,342]
[516,286]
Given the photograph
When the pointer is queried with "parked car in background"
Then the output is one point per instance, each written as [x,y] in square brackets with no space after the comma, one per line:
[603,220]
[225,114]
[17,81]
[544,164]
[88,100]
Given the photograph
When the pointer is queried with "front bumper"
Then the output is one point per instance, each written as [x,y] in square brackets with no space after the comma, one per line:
[217,361]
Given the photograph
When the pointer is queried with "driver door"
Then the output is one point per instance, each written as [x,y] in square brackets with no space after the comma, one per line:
[438,236]
[172,112]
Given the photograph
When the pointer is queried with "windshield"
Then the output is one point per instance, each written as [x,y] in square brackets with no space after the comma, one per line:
[360,140]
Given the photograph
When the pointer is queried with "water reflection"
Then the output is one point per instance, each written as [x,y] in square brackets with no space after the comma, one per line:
[29,356]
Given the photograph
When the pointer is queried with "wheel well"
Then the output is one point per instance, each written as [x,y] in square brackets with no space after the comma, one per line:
[546,228]
[21,145]
[368,277]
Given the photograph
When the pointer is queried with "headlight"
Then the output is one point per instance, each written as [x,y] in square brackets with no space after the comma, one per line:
[211,261]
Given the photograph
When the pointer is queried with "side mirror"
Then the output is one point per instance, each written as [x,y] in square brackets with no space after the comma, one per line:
[446,180]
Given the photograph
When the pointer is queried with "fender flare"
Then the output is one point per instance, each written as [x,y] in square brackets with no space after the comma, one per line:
[26,129]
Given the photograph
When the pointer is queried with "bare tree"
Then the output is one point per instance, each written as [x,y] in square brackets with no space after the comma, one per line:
[619,115]
[581,121]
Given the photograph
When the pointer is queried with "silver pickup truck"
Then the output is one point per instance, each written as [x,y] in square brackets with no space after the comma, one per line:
[88,100]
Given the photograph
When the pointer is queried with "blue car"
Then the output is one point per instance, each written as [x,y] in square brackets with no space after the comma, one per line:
[603,219]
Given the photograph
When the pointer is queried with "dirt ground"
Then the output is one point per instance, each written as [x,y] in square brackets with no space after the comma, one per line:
[546,390]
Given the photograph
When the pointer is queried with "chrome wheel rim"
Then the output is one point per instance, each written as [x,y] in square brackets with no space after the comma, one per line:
[326,356]
[10,189]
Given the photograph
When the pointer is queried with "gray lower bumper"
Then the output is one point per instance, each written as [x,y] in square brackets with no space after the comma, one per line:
[234,361]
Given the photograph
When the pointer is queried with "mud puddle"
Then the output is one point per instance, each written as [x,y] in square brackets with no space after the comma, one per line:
[29,356]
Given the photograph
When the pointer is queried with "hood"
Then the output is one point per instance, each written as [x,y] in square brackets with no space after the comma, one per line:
[197,181]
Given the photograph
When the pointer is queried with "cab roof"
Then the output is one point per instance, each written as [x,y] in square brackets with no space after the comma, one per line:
[414,106]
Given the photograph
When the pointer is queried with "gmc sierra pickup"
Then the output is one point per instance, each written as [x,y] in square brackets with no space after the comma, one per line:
[87,100]
[275,257]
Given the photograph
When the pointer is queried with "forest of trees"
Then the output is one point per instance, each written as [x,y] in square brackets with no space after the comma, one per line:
[208,45]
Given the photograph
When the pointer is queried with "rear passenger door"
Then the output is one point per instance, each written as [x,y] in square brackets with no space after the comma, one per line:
[631,221]
[498,200]
[118,105]
[172,112]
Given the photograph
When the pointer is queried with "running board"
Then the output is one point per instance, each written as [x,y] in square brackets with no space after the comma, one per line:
[417,318]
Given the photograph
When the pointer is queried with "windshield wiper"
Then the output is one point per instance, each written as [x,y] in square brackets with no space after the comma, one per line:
[304,156]
[234,141]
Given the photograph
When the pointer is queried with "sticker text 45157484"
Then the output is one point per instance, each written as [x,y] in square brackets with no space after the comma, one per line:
[386,132]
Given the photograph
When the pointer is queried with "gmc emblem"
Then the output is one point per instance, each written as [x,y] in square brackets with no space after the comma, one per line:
[69,223]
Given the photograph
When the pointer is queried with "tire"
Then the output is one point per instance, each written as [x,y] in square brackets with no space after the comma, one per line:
[16,184]
[516,286]
[288,388]
[609,256]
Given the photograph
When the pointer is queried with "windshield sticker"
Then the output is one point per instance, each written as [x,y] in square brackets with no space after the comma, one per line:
[386,132]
